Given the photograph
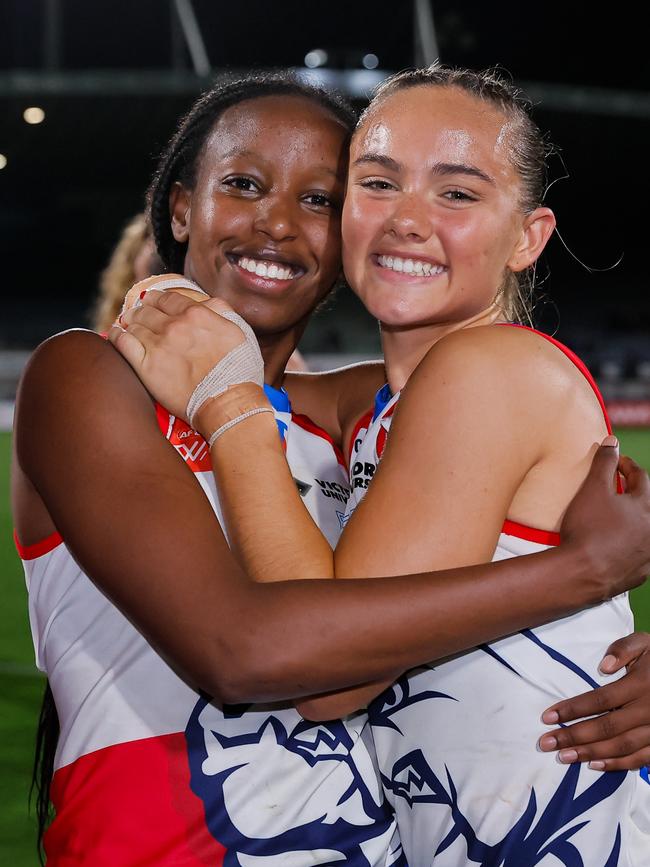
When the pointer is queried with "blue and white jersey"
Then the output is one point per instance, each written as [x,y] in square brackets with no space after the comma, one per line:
[456,739]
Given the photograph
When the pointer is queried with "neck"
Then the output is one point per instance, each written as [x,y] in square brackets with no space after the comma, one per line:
[405,347]
[276,350]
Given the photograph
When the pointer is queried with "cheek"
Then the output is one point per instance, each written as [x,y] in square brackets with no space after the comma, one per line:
[325,241]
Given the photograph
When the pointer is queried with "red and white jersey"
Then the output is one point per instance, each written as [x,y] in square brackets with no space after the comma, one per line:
[456,740]
[148,771]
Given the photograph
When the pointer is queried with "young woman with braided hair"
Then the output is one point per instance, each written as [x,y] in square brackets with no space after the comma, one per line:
[138,609]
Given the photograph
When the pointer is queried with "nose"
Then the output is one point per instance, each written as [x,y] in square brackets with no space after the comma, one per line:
[276,218]
[409,219]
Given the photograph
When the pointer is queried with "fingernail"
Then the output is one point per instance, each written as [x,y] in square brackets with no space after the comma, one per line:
[608,664]
[142,294]
[550,717]
[567,756]
[119,318]
[547,743]
[610,440]
[597,766]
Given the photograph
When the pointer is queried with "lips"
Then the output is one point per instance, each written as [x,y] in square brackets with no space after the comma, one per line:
[411,265]
[267,264]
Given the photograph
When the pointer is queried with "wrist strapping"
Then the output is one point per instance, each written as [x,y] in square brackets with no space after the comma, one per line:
[244,363]
[171,283]
[224,427]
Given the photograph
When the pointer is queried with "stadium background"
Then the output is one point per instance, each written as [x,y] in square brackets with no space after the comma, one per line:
[113,76]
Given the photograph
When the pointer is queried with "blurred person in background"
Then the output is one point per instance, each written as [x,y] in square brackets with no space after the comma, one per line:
[133,258]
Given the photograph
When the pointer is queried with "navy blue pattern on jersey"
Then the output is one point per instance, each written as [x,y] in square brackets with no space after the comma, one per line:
[331,830]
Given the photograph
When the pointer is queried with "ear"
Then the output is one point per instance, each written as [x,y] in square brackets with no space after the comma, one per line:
[537,229]
[180,208]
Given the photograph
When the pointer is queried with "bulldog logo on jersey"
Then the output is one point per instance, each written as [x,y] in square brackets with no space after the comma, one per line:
[279,790]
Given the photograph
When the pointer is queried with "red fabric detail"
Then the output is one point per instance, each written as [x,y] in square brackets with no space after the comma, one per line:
[382,436]
[31,552]
[532,534]
[127,805]
[363,422]
[188,443]
[307,424]
[582,367]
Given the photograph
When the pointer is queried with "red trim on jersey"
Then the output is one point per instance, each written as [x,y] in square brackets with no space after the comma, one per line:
[130,803]
[307,424]
[531,534]
[579,363]
[364,421]
[584,370]
[31,552]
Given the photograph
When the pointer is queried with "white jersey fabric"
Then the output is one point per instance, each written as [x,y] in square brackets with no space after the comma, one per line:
[456,740]
[149,772]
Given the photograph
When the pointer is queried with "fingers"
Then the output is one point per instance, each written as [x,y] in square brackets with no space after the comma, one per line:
[636,478]
[603,466]
[624,651]
[150,317]
[622,736]
[633,762]
[128,345]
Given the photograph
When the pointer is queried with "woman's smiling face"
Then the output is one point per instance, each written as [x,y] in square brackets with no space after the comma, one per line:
[262,221]
[431,220]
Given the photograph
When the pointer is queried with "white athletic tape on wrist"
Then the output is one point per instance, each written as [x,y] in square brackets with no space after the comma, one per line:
[244,363]
[224,427]
[171,283]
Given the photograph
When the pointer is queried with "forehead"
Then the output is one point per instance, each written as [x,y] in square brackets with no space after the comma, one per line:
[427,125]
[268,122]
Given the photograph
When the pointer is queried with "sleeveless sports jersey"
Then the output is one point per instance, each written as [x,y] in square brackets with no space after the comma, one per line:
[148,771]
[456,740]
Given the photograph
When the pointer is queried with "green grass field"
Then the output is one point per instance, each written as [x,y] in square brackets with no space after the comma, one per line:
[21,686]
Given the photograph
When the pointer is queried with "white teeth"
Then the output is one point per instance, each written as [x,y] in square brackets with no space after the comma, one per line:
[264,268]
[417,267]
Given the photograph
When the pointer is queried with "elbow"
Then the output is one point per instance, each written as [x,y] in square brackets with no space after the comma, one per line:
[251,674]
[324,708]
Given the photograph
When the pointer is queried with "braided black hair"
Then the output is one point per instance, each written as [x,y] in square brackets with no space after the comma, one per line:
[180,158]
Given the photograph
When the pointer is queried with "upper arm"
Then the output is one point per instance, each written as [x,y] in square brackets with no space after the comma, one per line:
[335,400]
[461,441]
[89,451]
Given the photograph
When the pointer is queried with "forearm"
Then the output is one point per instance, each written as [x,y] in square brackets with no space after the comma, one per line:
[315,637]
[269,529]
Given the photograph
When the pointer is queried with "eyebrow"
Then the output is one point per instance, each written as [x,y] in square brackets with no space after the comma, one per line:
[439,169]
[244,152]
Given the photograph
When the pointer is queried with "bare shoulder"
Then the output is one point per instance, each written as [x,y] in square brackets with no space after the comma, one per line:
[74,387]
[500,357]
[335,398]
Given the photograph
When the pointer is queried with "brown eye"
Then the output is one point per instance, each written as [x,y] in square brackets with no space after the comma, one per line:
[241,182]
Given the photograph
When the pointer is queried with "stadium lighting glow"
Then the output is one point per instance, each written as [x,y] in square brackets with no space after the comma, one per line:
[315,58]
[3,161]
[34,114]
[370,61]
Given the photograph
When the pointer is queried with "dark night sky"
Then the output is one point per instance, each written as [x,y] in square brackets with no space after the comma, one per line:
[74,180]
